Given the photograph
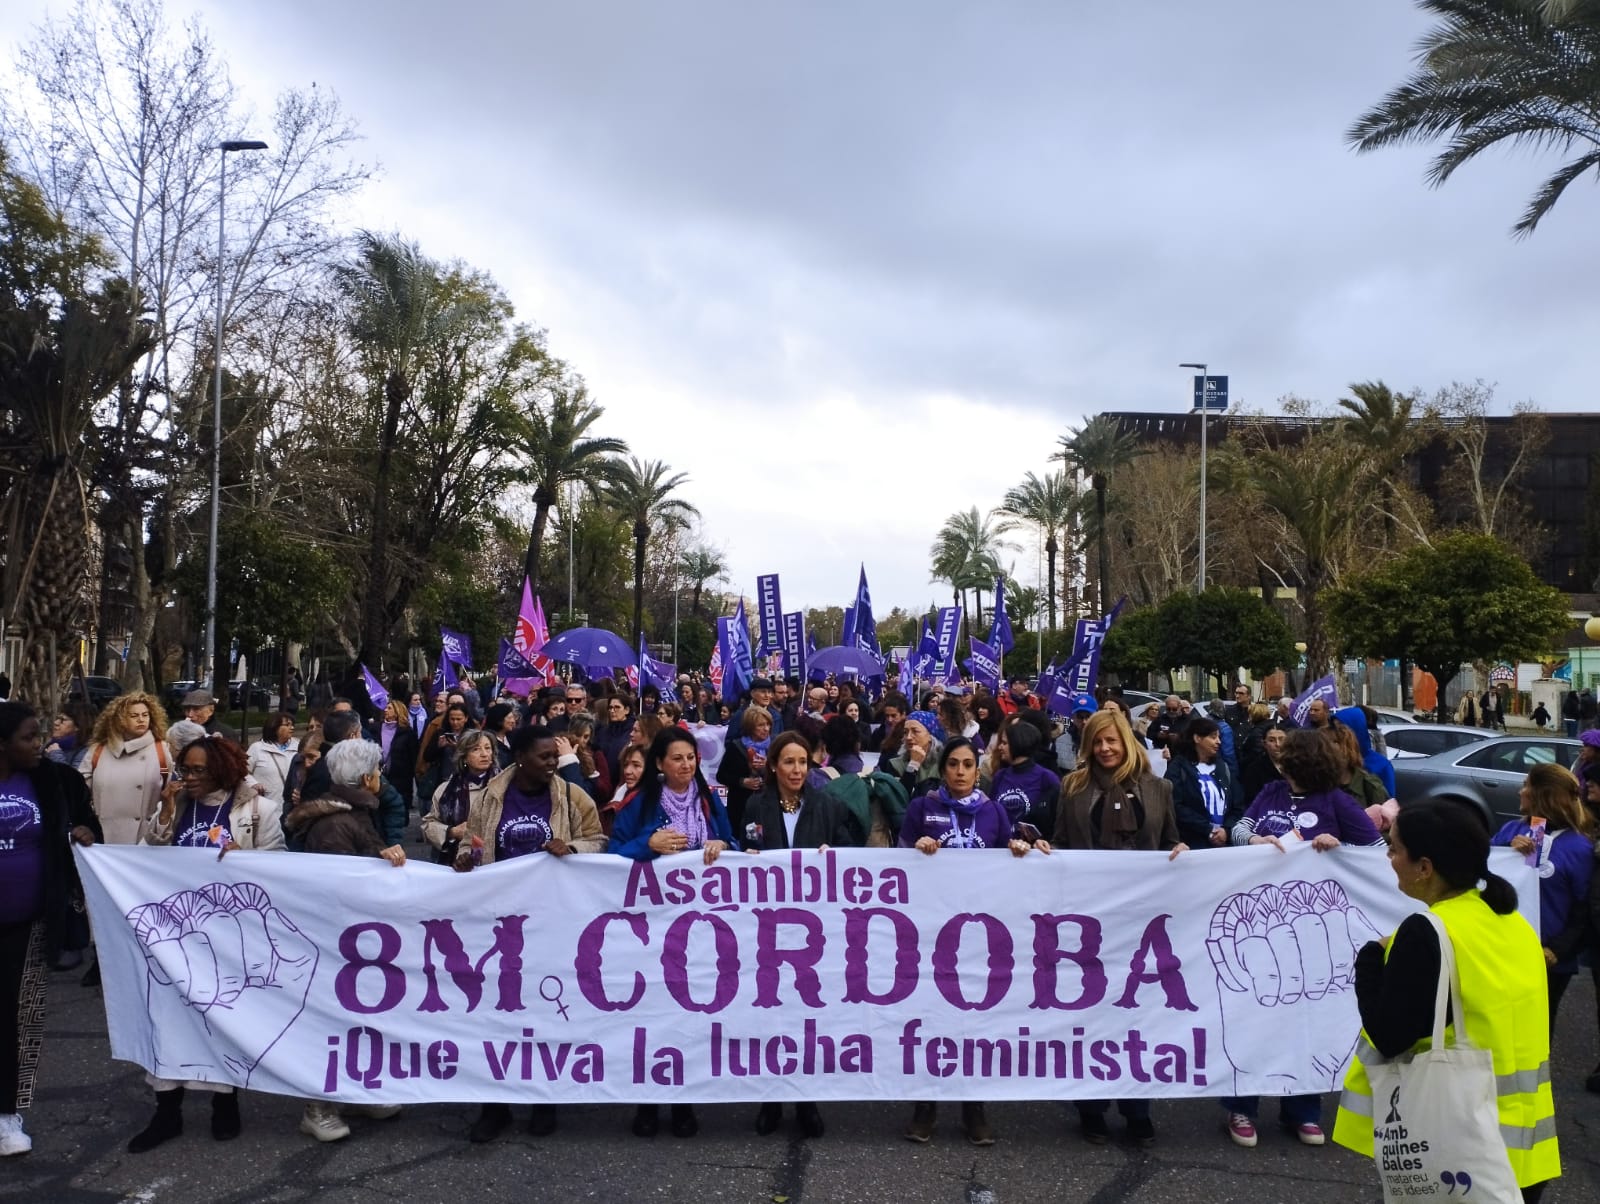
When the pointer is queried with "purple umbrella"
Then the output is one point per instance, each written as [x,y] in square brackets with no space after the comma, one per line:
[590,647]
[844,662]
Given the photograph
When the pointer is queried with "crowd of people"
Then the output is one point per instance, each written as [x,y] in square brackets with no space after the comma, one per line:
[586,767]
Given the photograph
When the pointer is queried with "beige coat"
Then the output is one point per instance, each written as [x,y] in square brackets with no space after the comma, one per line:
[269,764]
[573,818]
[256,822]
[125,780]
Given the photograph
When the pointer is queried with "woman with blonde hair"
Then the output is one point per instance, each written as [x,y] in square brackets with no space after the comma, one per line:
[1113,801]
[1555,834]
[127,766]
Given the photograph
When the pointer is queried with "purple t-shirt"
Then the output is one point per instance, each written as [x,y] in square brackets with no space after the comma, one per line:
[21,851]
[1287,816]
[987,827]
[524,824]
[202,825]
[1018,789]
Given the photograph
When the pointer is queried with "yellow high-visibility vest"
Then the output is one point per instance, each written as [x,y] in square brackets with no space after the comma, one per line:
[1506,998]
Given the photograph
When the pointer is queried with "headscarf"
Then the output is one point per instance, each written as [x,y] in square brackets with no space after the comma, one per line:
[930,721]
[458,798]
[959,808]
[419,719]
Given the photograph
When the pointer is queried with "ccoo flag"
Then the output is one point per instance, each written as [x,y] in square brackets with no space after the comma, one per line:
[769,615]
[986,665]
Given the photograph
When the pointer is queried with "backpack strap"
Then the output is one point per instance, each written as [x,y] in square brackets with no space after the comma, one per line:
[833,774]
[94,758]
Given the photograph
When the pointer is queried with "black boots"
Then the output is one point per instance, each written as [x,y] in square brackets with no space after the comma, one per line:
[164,1126]
[224,1115]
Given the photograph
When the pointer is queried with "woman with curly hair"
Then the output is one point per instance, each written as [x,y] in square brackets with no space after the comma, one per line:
[127,766]
[211,803]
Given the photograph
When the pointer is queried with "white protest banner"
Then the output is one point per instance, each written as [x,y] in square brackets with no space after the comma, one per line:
[851,974]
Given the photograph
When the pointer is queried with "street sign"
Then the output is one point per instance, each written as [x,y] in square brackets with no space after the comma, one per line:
[1210,393]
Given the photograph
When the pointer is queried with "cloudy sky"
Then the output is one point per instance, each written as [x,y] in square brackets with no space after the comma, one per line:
[855,266]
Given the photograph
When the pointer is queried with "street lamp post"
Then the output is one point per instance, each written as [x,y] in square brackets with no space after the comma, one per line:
[210,674]
[1205,413]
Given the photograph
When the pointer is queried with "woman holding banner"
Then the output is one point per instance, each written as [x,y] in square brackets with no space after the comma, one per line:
[789,814]
[958,815]
[216,807]
[673,811]
[44,807]
[1113,801]
[454,800]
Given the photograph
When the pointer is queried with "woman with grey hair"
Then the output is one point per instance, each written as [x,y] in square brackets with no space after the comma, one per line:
[337,812]
[446,821]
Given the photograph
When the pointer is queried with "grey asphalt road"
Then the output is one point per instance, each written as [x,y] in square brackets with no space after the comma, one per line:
[88,1106]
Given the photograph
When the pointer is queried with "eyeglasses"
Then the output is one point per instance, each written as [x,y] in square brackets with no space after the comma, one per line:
[192,771]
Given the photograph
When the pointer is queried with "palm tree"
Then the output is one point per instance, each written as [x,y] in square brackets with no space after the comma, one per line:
[1500,71]
[702,565]
[1047,503]
[561,451]
[398,306]
[966,553]
[1097,449]
[641,491]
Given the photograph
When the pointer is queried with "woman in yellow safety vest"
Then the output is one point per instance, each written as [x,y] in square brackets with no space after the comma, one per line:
[1440,852]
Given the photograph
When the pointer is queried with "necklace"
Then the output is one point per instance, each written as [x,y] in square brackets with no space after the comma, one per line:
[788,807]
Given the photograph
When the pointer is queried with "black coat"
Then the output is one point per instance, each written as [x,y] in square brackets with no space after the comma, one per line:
[824,820]
[400,767]
[63,805]
[1194,821]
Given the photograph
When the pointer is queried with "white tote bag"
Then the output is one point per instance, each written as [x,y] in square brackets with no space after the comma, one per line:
[1435,1122]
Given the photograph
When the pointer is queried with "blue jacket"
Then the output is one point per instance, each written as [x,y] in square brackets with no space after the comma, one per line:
[1373,761]
[641,818]
[1566,866]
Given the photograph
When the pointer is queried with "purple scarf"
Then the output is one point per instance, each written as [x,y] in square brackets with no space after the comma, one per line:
[683,813]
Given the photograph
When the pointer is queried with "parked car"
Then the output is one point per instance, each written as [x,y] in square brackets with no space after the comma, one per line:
[1394,715]
[1424,739]
[1137,700]
[1485,773]
[262,694]
[100,690]
[172,697]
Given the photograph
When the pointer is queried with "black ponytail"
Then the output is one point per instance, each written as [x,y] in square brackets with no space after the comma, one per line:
[1499,894]
[1455,839]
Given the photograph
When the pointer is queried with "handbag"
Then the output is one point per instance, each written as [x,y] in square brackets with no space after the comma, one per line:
[1435,1118]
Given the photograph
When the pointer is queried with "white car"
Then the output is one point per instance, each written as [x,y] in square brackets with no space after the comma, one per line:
[1408,740]
[1392,715]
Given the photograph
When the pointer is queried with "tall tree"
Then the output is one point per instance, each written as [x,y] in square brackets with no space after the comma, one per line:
[1493,72]
[398,306]
[68,332]
[966,553]
[561,451]
[703,565]
[1046,503]
[642,492]
[1098,449]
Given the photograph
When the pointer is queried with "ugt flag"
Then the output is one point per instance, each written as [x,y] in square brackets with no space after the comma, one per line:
[455,647]
[1000,630]
[375,690]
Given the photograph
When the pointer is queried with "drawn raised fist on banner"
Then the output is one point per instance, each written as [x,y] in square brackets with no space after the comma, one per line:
[233,958]
[1285,961]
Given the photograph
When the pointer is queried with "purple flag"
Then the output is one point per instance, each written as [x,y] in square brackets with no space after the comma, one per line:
[659,674]
[444,677]
[794,644]
[733,637]
[769,615]
[863,628]
[456,647]
[1322,688]
[375,690]
[945,634]
[986,665]
[1000,630]
[1085,663]
[512,664]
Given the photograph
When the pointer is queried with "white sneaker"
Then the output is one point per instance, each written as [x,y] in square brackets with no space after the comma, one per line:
[323,1122]
[12,1139]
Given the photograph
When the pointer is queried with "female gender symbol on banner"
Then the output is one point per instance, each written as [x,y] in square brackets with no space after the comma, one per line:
[561,1008]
